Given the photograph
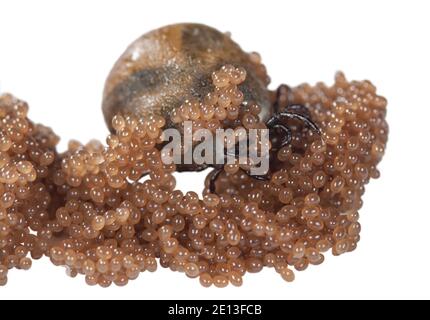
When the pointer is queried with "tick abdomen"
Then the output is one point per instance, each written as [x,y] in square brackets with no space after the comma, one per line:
[164,67]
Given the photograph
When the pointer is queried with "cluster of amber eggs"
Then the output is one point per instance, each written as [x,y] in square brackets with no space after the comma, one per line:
[89,210]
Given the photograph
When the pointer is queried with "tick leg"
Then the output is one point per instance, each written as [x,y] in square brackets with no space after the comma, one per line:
[293,115]
[286,140]
[298,108]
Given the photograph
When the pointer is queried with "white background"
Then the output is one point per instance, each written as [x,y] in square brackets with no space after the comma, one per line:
[57,54]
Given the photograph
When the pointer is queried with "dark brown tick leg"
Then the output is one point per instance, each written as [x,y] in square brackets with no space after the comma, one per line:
[276,125]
